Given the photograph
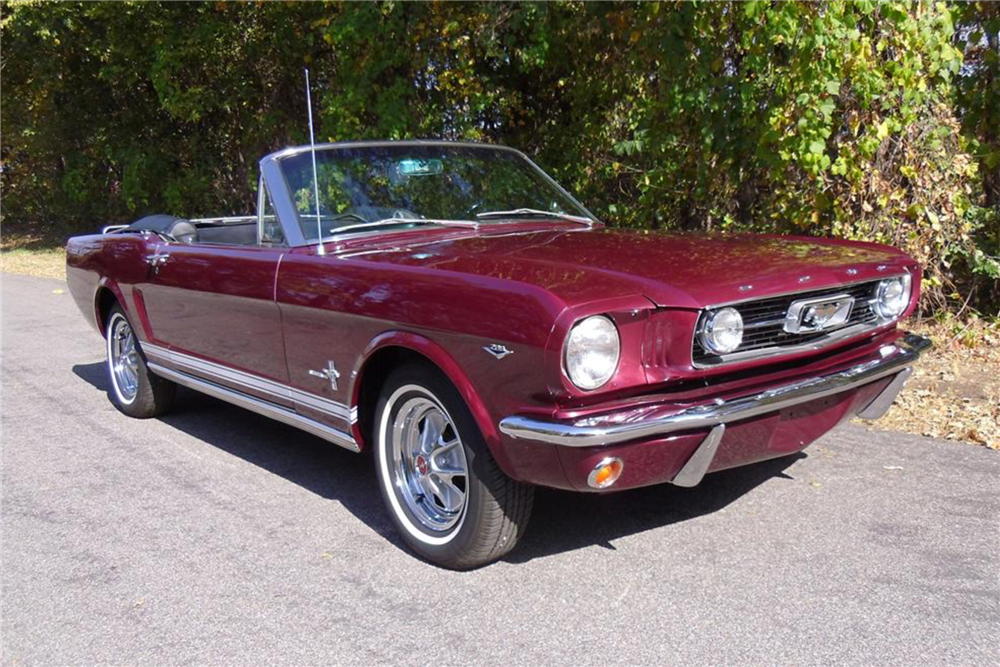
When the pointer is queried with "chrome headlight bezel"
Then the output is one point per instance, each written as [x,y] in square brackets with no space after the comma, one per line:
[590,330]
[889,306]
[708,332]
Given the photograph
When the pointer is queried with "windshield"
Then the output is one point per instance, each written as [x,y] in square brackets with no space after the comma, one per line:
[411,185]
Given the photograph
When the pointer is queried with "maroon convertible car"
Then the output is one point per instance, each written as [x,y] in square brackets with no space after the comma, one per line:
[452,308]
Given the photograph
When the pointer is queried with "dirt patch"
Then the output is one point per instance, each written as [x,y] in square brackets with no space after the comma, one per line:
[36,251]
[955,389]
[43,263]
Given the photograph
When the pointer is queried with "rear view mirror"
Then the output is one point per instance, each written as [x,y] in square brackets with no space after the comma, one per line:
[419,167]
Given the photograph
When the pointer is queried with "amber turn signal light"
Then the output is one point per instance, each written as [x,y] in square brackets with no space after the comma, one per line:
[606,473]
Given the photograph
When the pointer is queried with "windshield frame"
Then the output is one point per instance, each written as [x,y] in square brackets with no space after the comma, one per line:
[274,177]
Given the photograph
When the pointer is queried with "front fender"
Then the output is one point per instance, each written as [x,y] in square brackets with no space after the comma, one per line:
[523,461]
[440,358]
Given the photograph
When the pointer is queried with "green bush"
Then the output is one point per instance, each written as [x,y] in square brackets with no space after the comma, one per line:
[860,120]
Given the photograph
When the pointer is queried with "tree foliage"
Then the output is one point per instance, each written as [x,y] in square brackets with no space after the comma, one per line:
[856,119]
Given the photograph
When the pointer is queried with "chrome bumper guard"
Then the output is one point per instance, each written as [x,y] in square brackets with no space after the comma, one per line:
[894,359]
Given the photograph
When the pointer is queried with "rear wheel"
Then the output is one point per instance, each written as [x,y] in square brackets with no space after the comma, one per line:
[445,493]
[134,389]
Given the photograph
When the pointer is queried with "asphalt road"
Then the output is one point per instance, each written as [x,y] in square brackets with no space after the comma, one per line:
[215,536]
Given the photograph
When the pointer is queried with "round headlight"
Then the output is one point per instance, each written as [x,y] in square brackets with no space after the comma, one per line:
[892,297]
[592,351]
[722,331]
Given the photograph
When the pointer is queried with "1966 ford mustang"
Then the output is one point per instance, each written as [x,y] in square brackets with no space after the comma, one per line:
[453,309]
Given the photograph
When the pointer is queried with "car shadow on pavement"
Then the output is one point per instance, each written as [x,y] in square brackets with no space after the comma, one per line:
[562,521]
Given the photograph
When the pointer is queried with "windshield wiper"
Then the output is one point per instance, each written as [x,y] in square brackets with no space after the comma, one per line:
[389,222]
[535,212]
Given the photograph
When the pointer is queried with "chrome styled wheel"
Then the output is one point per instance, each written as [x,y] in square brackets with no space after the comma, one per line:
[427,461]
[135,390]
[123,359]
[445,493]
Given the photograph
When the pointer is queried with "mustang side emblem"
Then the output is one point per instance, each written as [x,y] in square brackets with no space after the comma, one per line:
[819,314]
[497,350]
[329,373]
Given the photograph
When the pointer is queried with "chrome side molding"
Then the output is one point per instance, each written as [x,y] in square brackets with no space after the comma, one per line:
[210,370]
[261,407]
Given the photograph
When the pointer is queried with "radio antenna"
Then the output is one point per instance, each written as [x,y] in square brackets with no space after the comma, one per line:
[312,150]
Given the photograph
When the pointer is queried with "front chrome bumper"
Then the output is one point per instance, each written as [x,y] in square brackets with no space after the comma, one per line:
[895,359]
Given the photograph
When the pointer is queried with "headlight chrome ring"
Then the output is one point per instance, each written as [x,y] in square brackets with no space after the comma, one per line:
[722,331]
[892,297]
[591,352]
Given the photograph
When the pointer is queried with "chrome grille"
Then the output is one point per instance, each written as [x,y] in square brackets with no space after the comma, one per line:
[764,321]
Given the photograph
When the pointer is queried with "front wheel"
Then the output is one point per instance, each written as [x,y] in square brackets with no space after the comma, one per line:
[445,493]
[134,389]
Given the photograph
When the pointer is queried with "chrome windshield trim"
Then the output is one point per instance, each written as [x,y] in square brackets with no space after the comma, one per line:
[297,150]
[284,206]
[391,222]
[624,426]
[281,198]
[515,212]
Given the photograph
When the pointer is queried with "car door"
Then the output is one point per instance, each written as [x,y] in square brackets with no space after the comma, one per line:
[324,339]
[211,310]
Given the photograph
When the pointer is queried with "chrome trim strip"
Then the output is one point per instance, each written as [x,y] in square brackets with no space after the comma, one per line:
[762,324]
[254,382]
[253,404]
[776,350]
[623,426]
[696,467]
[281,198]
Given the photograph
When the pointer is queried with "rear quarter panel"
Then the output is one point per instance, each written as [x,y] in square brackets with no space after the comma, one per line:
[95,262]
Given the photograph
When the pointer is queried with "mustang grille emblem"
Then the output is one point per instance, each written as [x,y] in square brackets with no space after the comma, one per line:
[329,373]
[819,314]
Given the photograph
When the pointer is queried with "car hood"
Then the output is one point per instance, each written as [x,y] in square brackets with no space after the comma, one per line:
[671,270]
